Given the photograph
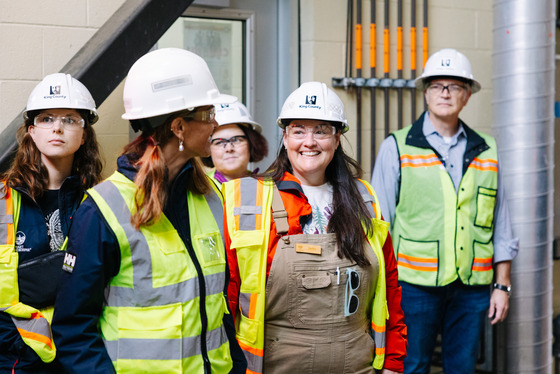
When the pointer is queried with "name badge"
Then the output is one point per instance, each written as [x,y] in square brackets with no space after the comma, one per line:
[308,248]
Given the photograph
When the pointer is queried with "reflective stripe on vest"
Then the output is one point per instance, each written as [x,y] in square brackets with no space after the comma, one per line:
[152,310]
[441,233]
[246,199]
[31,324]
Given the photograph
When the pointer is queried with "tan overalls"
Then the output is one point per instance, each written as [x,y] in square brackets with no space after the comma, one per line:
[306,330]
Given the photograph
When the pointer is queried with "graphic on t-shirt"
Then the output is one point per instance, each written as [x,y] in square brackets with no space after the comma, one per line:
[319,220]
[55,230]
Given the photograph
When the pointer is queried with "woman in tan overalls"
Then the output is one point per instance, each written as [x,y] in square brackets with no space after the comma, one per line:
[313,276]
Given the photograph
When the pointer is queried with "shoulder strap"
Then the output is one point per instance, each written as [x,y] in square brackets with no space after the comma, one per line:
[279,214]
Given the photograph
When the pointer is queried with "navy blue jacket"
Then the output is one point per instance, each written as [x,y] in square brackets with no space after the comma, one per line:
[33,241]
[80,299]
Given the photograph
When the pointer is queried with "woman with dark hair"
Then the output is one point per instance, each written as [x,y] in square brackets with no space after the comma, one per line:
[56,161]
[313,275]
[236,142]
[146,274]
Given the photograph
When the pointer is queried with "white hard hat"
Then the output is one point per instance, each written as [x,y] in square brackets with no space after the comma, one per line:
[61,91]
[314,100]
[448,63]
[235,113]
[169,80]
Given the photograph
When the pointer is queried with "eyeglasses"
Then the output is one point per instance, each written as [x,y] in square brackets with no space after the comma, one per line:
[46,121]
[322,131]
[207,115]
[234,141]
[453,89]
[351,301]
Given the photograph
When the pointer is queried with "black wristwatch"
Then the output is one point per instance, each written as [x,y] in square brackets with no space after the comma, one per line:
[501,287]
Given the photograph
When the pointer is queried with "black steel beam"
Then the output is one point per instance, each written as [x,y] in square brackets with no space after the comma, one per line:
[103,62]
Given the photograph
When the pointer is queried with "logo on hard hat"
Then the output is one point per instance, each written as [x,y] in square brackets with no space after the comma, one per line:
[446,62]
[223,106]
[54,90]
[311,100]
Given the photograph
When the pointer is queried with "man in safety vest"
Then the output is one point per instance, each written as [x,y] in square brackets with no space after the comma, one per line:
[440,187]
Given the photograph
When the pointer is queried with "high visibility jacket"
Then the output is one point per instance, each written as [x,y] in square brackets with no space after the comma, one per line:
[248,205]
[153,320]
[441,234]
[32,324]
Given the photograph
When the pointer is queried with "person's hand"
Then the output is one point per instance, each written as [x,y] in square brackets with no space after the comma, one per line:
[499,305]
[387,371]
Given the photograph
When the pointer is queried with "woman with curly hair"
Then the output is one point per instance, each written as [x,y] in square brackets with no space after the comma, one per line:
[57,160]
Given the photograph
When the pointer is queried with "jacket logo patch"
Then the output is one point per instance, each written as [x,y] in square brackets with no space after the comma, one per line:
[69,262]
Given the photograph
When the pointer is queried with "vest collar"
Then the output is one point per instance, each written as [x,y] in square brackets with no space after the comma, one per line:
[475,143]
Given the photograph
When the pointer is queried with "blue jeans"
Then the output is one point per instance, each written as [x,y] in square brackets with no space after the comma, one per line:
[455,310]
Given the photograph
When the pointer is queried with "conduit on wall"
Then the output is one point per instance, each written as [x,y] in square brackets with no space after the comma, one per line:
[386,83]
[523,106]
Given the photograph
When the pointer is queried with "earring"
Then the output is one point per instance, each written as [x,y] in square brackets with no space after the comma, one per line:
[181,148]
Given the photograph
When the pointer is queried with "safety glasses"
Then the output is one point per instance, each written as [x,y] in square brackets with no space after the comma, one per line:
[207,115]
[47,121]
[235,141]
[351,301]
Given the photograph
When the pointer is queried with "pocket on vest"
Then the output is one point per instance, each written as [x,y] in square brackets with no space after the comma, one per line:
[418,261]
[485,202]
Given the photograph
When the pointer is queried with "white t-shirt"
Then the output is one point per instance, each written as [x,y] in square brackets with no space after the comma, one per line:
[320,199]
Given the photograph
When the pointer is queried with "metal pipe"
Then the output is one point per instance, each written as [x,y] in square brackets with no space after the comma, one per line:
[349,19]
[372,63]
[413,59]
[359,75]
[386,67]
[523,107]
[399,64]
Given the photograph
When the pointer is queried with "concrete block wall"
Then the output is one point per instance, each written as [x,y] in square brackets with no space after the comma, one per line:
[38,38]
[464,25]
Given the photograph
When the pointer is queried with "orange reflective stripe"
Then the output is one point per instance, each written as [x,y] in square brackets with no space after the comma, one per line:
[379,351]
[253,305]
[252,350]
[487,164]
[417,263]
[6,219]
[482,264]
[417,161]
[35,336]
[237,198]
[258,217]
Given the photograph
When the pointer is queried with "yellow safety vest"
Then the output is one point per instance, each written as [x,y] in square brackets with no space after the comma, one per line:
[152,319]
[32,324]
[248,204]
[440,235]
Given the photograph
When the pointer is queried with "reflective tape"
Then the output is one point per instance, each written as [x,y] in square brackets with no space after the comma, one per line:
[248,209]
[486,164]
[417,161]
[164,349]
[482,264]
[417,263]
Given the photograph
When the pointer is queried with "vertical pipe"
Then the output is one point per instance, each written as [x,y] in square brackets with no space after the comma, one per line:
[523,107]
[359,75]
[348,62]
[386,46]
[425,41]
[413,60]
[372,63]
[399,63]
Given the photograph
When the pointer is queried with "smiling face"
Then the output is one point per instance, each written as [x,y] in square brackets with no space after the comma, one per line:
[60,142]
[230,158]
[446,104]
[308,155]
